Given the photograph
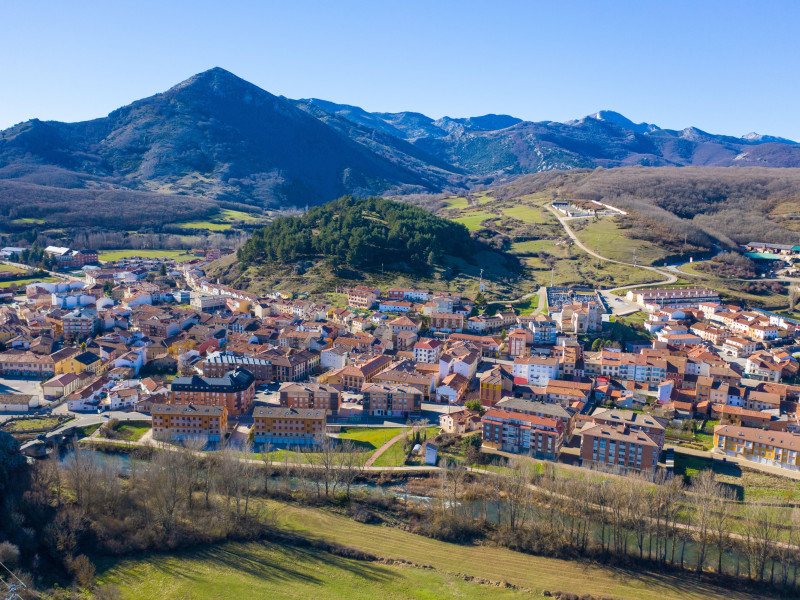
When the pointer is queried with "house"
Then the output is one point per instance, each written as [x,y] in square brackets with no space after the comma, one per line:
[288,427]
[81,362]
[334,358]
[90,396]
[522,433]
[460,421]
[60,385]
[17,403]
[189,421]
[234,390]
[452,389]
[618,447]
[738,346]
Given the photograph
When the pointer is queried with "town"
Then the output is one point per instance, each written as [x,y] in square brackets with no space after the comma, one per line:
[155,342]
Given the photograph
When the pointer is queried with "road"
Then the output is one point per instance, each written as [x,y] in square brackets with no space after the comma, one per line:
[670,278]
[56,274]
[89,420]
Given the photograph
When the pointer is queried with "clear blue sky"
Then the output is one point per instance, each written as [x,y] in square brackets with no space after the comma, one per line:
[726,67]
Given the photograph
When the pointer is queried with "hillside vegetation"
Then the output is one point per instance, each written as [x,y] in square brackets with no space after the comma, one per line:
[361,233]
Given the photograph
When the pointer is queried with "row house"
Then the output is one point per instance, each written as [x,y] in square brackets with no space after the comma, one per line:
[656,299]
[394,306]
[234,390]
[288,427]
[178,422]
[773,448]
[424,382]
[23,363]
[317,396]
[738,346]
[521,433]
[391,400]
[408,294]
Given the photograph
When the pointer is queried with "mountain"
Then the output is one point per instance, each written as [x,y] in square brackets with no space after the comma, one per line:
[217,137]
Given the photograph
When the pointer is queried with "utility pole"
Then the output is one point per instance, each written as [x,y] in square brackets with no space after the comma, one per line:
[597,250]
[552,275]
[634,257]
[13,589]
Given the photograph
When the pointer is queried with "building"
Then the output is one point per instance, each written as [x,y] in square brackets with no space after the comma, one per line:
[189,421]
[535,370]
[774,448]
[318,396]
[427,351]
[447,322]
[517,343]
[81,362]
[522,434]
[18,402]
[618,447]
[362,297]
[23,363]
[79,324]
[217,364]
[67,258]
[452,389]
[288,427]
[632,420]
[60,385]
[391,400]
[460,422]
[206,302]
[739,347]
[234,390]
[494,385]
[540,409]
[688,297]
[545,330]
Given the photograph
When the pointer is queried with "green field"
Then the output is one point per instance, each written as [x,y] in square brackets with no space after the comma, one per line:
[10,269]
[176,255]
[266,570]
[370,437]
[526,213]
[29,221]
[473,219]
[32,424]
[131,431]
[23,282]
[608,240]
[223,221]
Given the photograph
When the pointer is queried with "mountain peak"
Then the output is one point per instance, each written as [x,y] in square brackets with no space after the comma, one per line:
[616,118]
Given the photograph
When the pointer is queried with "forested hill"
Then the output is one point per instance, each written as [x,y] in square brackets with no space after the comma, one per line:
[361,233]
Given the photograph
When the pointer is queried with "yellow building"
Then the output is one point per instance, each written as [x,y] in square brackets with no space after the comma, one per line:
[79,363]
[774,448]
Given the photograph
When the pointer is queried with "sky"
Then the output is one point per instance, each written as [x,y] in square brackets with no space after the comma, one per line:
[726,67]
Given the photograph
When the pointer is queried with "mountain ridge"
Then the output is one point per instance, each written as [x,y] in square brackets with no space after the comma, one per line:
[219,137]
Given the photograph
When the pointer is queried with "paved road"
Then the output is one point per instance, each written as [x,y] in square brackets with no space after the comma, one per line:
[87,420]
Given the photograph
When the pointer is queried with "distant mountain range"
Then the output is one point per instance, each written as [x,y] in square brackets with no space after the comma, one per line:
[219,137]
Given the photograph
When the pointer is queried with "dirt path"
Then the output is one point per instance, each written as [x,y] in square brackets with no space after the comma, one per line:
[670,277]
[386,446]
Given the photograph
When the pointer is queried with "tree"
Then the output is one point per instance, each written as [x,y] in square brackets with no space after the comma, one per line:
[162,269]
[475,405]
